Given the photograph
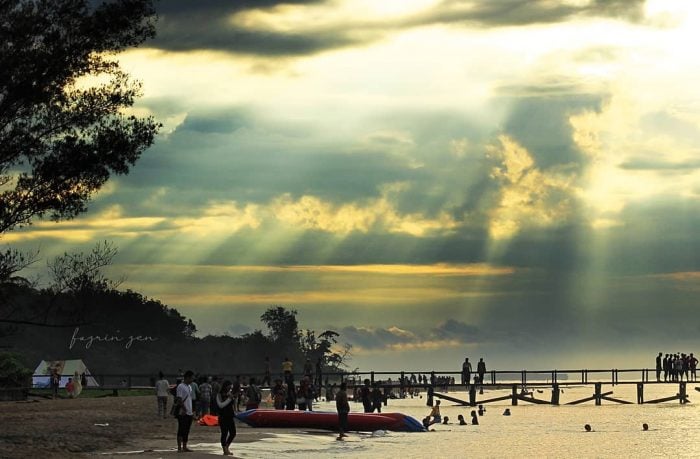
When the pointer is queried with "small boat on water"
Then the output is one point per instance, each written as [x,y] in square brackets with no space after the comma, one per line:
[329,420]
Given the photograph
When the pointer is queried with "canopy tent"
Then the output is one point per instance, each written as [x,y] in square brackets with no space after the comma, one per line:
[65,368]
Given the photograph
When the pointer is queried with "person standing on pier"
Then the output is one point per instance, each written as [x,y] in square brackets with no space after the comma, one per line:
[693,364]
[666,362]
[658,367]
[466,372]
[481,369]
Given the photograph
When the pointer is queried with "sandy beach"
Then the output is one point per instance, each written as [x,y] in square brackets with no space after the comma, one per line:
[94,426]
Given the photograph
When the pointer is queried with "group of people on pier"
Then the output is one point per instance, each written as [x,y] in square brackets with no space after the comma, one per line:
[677,366]
[467,372]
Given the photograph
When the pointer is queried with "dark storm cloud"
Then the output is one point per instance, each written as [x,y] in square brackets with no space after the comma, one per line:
[206,25]
[454,329]
[489,13]
[541,124]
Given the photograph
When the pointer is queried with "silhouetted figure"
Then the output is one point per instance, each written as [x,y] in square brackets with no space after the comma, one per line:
[645,426]
[366,396]
[461,420]
[506,412]
[588,428]
[481,370]
[475,419]
[659,367]
[466,372]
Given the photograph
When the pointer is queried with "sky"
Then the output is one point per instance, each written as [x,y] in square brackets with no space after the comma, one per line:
[517,180]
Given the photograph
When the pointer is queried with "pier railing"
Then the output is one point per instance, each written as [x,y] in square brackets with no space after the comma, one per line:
[425,378]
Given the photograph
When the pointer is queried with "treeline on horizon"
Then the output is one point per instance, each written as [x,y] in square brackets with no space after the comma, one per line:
[123,332]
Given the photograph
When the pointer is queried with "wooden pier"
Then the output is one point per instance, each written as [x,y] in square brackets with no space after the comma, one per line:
[521,384]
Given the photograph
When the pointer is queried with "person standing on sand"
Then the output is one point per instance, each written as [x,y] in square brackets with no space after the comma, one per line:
[366,396]
[343,407]
[183,396]
[70,388]
[55,382]
[225,403]
[377,398]
[162,386]
[253,395]
[205,396]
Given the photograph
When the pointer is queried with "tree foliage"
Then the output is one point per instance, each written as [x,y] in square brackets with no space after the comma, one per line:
[283,325]
[63,126]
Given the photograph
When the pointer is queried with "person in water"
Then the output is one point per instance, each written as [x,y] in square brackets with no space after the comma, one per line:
[225,402]
[482,410]
[461,420]
[445,420]
[588,427]
[506,412]
[435,413]
[475,419]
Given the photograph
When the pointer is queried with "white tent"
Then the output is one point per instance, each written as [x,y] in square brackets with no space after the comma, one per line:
[65,368]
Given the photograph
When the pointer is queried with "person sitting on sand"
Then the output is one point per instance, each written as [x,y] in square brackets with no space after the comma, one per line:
[225,402]
[461,420]
[435,413]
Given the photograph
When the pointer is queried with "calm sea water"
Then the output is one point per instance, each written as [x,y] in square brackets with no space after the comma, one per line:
[531,431]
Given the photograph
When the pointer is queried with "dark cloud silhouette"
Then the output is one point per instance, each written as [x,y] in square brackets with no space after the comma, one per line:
[207,25]
[487,13]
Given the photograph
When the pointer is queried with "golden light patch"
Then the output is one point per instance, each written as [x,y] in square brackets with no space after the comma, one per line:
[529,197]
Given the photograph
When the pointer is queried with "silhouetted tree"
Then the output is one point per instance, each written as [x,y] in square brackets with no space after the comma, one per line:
[63,130]
[283,325]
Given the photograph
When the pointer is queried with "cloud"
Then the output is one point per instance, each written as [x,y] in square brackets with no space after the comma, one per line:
[647,164]
[487,13]
[451,333]
[529,196]
[292,28]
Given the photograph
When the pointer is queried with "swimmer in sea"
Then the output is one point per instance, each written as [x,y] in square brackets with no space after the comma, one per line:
[475,420]
[461,420]
[588,428]
[506,412]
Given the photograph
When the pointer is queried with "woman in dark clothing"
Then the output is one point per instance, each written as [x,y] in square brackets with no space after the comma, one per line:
[225,401]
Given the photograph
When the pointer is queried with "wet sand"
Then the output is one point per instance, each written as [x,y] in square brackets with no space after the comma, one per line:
[70,428]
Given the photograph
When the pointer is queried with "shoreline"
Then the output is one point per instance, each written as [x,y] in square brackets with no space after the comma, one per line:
[104,427]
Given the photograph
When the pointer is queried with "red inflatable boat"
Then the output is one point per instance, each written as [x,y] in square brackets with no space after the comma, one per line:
[329,420]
